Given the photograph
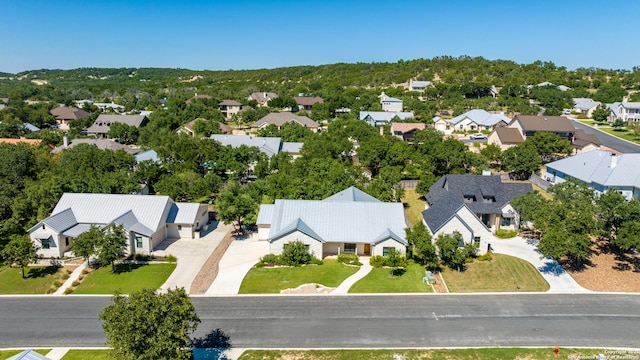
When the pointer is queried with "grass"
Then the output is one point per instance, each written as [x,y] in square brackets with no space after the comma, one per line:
[503,273]
[621,133]
[272,280]
[413,206]
[449,354]
[380,281]
[5,354]
[87,354]
[126,279]
[38,279]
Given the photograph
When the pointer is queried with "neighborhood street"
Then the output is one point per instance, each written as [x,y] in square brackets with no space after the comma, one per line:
[593,320]
[608,140]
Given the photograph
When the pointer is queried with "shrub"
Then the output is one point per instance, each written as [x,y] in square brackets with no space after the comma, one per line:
[65,276]
[476,144]
[377,261]
[69,271]
[68,291]
[85,272]
[506,234]
[270,259]
[81,277]
[485,257]
[57,283]
[295,254]
[315,261]
[350,259]
[75,283]
[170,258]
[51,290]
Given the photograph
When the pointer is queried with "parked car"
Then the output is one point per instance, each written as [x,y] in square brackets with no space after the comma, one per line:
[478,136]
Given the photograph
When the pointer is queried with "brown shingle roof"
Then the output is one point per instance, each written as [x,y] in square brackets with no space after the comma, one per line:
[68,113]
[406,127]
[230,103]
[582,139]
[279,119]
[544,123]
[201,96]
[307,100]
[509,135]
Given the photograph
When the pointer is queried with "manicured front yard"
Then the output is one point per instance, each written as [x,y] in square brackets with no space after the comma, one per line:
[126,279]
[38,279]
[272,280]
[413,206]
[380,280]
[503,273]
[5,354]
[86,354]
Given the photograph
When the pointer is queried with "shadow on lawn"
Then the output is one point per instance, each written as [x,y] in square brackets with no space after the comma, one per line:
[38,272]
[125,268]
[211,346]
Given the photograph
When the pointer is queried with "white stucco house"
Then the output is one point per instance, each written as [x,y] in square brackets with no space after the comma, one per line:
[389,103]
[350,222]
[147,219]
[473,120]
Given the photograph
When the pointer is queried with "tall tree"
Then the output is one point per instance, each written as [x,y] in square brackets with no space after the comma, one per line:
[421,247]
[112,245]
[149,326]
[234,204]
[521,160]
[601,114]
[86,243]
[20,251]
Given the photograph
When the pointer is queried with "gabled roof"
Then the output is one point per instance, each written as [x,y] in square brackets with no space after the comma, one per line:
[508,135]
[307,100]
[230,103]
[102,123]
[298,225]
[147,155]
[292,147]
[480,117]
[268,145]
[385,116]
[630,105]
[28,355]
[442,211]
[582,139]
[406,127]
[183,213]
[601,167]
[68,113]
[388,234]
[279,119]
[390,99]
[102,144]
[351,194]
[60,221]
[419,83]
[544,123]
[130,222]
[586,105]
[490,194]
[262,97]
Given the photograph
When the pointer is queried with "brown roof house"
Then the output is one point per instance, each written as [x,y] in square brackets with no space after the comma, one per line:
[530,124]
[64,115]
[279,119]
[306,102]
[405,131]
[232,107]
[196,97]
[101,126]
[262,98]
[188,127]
[505,137]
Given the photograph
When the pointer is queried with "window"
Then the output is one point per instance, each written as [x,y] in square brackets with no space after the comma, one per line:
[489,199]
[469,198]
[505,221]
[179,227]
[386,250]
[45,243]
[349,248]
[66,241]
[476,239]
[138,241]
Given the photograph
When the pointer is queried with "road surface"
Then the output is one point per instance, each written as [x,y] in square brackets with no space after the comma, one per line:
[607,140]
[592,320]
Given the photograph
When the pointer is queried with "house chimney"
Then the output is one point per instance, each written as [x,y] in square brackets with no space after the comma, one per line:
[65,141]
[614,161]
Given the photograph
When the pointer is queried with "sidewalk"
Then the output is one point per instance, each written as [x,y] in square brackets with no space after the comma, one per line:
[73,277]
[559,280]
[344,287]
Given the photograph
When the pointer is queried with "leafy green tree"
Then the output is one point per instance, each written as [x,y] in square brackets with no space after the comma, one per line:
[548,144]
[421,247]
[123,133]
[295,254]
[20,251]
[86,243]
[521,160]
[112,245]
[234,204]
[492,153]
[147,326]
[601,114]
[618,124]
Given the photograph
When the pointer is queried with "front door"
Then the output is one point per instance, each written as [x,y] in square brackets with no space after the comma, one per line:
[367,249]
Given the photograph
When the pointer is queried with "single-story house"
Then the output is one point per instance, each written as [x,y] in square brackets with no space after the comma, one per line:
[103,144]
[505,137]
[147,220]
[64,115]
[419,85]
[377,118]
[475,120]
[306,102]
[530,124]
[100,127]
[583,142]
[405,131]
[268,145]
[262,98]
[390,104]
[599,170]
[281,118]
[350,222]
[197,97]
[474,205]
[188,128]
[585,106]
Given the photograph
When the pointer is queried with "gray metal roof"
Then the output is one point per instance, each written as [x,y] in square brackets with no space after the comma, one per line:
[61,221]
[385,116]
[28,355]
[265,214]
[420,83]
[586,105]
[147,155]
[601,167]
[351,194]
[183,213]
[292,147]
[337,221]
[481,117]
[268,145]
[77,230]
[129,221]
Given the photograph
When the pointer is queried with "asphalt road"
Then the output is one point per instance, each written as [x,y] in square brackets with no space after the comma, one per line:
[607,140]
[601,320]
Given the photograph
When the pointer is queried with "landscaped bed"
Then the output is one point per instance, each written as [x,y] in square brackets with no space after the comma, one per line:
[380,280]
[127,278]
[272,280]
[39,279]
[503,273]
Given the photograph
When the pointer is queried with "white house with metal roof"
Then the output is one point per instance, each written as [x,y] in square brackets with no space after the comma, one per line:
[472,120]
[148,220]
[350,221]
[377,118]
[625,111]
[389,103]
[600,170]
[268,145]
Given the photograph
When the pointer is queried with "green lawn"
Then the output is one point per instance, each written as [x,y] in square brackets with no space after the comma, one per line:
[272,280]
[87,354]
[38,281]
[621,133]
[380,281]
[413,206]
[126,279]
[503,273]
[448,354]
[5,354]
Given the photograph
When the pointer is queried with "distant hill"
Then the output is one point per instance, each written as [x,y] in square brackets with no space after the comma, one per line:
[4,74]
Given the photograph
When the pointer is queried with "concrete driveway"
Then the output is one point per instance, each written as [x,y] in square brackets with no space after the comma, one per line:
[559,280]
[240,257]
[191,254]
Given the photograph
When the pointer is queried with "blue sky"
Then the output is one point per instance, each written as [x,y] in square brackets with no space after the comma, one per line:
[245,34]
